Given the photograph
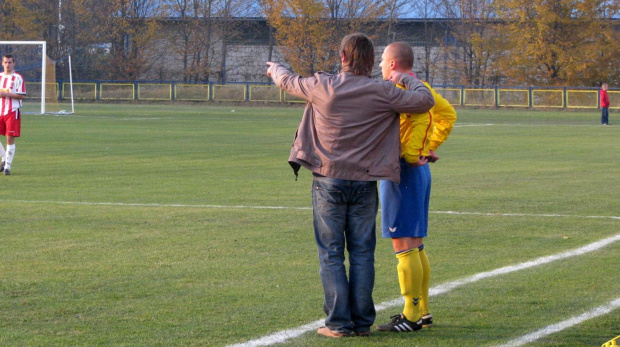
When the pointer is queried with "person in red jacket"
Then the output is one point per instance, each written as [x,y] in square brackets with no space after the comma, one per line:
[604,105]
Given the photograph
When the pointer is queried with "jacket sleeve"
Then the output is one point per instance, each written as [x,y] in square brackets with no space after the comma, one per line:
[292,83]
[444,119]
[416,98]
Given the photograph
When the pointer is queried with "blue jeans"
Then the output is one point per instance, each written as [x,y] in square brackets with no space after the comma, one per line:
[345,217]
[605,115]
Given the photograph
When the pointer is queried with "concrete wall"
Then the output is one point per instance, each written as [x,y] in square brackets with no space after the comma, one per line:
[247,53]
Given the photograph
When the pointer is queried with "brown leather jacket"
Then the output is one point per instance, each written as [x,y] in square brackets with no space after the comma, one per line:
[350,126]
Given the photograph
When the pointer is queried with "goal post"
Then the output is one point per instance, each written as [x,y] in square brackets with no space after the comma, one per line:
[37,68]
[43,45]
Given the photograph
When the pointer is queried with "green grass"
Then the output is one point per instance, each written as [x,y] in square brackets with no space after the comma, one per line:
[134,225]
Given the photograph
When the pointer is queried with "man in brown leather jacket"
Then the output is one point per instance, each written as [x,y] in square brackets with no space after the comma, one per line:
[349,139]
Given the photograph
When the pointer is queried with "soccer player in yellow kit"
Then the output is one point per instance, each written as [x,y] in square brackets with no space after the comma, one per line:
[404,206]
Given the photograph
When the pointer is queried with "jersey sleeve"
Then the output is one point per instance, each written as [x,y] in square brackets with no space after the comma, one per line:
[414,133]
[444,119]
[20,86]
[415,130]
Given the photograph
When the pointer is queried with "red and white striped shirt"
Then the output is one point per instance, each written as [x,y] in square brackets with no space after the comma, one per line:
[13,83]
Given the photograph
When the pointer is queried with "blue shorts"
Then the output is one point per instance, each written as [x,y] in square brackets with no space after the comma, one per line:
[404,206]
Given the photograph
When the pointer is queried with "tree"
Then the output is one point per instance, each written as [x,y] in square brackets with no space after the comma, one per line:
[201,33]
[131,27]
[36,20]
[308,32]
[227,30]
[425,9]
[302,34]
[476,44]
[108,39]
[392,10]
[192,36]
[559,42]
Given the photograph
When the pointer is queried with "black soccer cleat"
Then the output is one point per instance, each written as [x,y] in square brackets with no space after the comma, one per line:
[7,172]
[427,321]
[401,324]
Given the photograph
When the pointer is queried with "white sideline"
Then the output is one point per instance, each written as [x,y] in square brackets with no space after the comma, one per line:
[554,328]
[157,205]
[284,335]
[250,207]
[521,214]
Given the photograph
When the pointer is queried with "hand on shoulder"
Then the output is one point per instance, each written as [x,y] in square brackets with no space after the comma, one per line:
[269,65]
[394,76]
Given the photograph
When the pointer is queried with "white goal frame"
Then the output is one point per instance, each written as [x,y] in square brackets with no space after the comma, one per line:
[43,45]
[43,64]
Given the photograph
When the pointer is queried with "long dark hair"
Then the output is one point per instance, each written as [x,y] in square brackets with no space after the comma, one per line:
[359,54]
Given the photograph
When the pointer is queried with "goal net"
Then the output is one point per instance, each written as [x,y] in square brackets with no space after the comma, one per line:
[47,91]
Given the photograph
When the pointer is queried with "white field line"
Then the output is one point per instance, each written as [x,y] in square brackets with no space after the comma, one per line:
[157,205]
[250,207]
[441,289]
[554,328]
[285,335]
[463,125]
[472,125]
[522,215]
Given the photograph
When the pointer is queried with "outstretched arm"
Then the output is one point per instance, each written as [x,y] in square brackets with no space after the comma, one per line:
[290,82]
[5,94]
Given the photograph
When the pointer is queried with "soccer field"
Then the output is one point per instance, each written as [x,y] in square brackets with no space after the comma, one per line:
[176,225]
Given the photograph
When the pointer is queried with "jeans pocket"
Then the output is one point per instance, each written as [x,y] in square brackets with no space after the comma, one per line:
[366,194]
[326,196]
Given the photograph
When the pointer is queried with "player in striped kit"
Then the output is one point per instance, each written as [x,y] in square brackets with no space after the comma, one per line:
[12,92]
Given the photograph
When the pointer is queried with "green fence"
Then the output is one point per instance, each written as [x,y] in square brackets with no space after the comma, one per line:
[530,97]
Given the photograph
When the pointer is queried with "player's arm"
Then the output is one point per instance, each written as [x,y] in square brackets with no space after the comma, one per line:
[415,145]
[290,82]
[6,94]
[444,119]
[414,131]
[415,98]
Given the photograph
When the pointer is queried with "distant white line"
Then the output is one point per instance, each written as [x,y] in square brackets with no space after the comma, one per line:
[522,214]
[599,311]
[255,207]
[138,118]
[523,125]
[157,205]
[472,125]
[285,335]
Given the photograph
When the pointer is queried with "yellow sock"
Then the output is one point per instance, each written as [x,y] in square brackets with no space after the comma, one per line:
[426,278]
[410,280]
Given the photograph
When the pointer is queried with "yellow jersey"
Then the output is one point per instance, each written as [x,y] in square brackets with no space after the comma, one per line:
[425,132]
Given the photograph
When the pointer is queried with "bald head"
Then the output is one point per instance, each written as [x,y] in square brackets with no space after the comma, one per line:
[397,56]
[402,53]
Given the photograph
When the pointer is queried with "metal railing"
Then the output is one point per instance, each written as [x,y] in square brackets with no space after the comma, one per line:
[498,96]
